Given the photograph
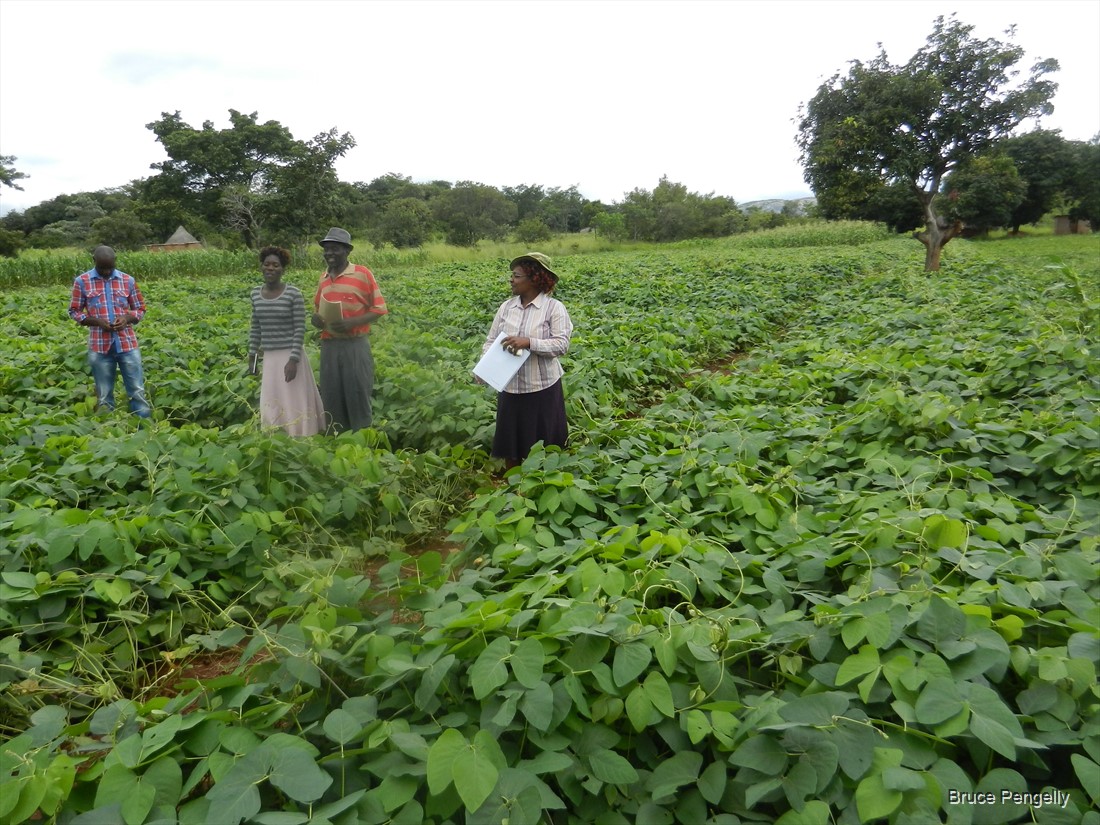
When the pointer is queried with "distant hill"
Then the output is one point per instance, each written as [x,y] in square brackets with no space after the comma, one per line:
[777,204]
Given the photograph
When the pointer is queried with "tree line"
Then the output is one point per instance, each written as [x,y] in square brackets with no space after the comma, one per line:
[254,183]
[932,146]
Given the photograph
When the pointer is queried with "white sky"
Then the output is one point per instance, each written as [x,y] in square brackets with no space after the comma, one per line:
[605,94]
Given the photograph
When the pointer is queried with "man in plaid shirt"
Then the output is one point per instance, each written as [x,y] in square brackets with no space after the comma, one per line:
[109,303]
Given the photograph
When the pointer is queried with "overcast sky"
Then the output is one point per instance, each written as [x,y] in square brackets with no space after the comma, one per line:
[605,95]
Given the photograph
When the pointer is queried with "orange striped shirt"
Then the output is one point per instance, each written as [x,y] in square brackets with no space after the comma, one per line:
[357,292]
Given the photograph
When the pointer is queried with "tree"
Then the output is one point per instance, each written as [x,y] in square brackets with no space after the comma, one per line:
[984,192]
[123,230]
[893,205]
[1044,161]
[639,215]
[407,222]
[610,225]
[10,243]
[914,123]
[532,230]
[1084,186]
[242,210]
[562,209]
[301,198]
[472,211]
[527,198]
[8,173]
[214,173]
[671,213]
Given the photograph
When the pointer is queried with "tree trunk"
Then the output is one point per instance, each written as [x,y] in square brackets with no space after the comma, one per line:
[937,232]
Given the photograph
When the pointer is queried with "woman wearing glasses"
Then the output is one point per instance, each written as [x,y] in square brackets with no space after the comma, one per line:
[532,406]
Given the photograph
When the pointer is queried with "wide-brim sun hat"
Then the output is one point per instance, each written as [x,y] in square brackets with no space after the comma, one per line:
[337,235]
[535,257]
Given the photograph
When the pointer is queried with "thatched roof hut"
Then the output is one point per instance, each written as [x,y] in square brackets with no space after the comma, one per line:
[181,240]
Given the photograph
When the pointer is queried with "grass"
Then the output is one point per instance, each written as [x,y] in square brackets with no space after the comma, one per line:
[39,267]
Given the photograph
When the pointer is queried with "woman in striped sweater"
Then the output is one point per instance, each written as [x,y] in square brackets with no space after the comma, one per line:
[288,393]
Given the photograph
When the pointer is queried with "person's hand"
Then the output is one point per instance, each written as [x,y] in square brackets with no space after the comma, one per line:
[121,322]
[342,326]
[514,343]
[317,321]
[102,323]
[290,371]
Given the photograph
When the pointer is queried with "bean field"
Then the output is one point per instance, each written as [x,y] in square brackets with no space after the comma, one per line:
[823,549]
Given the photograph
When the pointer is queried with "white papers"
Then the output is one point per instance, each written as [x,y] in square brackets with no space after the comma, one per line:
[330,310]
[498,366]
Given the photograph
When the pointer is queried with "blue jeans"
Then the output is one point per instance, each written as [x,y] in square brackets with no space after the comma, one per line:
[129,364]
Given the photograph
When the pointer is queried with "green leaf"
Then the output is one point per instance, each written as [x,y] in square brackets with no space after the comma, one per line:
[639,709]
[115,784]
[550,500]
[296,773]
[874,800]
[696,725]
[537,705]
[941,621]
[862,663]
[281,818]
[854,631]
[630,660]
[940,531]
[993,784]
[761,753]
[1084,646]
[236,796]
[165,777]
[395,791]
[902,779]
[441,758]
[659,693]
[1089,774]
[341,727]
[528,661]
[303,670]
[799,783]
[992,721]
[608,766]
[32,790]
[680,769]
[138,803]
[666,654]
[939,701]
[158,736]
[815,812]
[474,772]
[816,709]
[489,671]
[712,782]
[855,746]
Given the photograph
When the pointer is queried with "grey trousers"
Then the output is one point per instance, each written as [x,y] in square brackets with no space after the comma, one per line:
[347,380]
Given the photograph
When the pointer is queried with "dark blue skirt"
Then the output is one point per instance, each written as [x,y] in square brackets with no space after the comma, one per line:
[524,418]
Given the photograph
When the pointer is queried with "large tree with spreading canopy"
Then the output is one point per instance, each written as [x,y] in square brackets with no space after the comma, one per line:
[253,177]
[912,124]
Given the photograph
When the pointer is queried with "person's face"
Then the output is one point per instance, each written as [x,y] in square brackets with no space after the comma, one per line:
[272,269]
[105,265]
[521,283]
[335,254]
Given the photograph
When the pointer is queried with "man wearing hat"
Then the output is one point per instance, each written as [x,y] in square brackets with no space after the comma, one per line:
[345,305]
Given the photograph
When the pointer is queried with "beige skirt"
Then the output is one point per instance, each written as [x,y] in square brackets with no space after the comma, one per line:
[293,405]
